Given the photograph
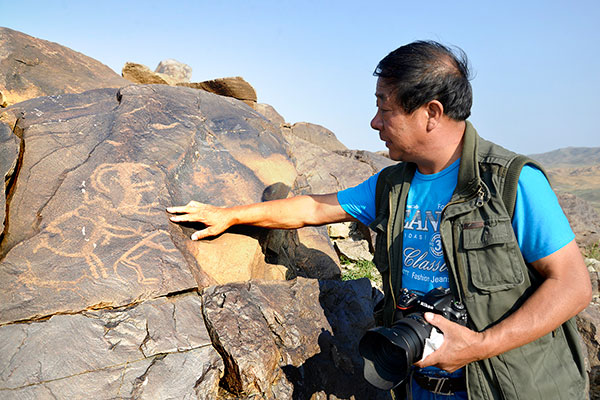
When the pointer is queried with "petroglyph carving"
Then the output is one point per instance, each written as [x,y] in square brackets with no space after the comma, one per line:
[118,207]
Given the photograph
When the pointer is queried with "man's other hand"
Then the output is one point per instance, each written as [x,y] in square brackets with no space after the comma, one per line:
[459,348]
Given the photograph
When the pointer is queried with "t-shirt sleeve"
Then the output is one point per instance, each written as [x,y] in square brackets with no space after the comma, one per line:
[359,201]
[539,222]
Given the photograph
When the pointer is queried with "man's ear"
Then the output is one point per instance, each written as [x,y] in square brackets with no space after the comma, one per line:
[435,111]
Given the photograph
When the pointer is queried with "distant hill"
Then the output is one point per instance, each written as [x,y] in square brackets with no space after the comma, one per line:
[574,170]
[569,157]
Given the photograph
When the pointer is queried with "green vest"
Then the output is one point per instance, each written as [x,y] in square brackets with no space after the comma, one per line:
[487,272]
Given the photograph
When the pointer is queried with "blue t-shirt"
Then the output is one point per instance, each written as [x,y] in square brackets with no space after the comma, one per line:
[540,226]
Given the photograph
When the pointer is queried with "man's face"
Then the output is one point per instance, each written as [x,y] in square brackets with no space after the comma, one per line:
[404,134]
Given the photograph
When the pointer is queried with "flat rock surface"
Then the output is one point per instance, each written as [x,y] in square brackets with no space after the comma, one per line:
[31,67]
[86,226]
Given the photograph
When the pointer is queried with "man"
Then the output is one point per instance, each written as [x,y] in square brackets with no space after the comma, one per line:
[442,220]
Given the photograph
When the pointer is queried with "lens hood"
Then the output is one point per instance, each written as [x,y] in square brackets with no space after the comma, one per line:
[388,353]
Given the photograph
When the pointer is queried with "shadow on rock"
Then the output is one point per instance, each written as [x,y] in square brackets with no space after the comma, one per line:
[337,370]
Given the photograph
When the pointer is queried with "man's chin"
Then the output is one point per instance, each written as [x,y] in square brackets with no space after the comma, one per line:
[394,155]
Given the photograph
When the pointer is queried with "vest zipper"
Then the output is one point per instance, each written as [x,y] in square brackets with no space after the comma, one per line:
[480,195]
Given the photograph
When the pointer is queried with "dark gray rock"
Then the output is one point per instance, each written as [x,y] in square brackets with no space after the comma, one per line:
[157,349]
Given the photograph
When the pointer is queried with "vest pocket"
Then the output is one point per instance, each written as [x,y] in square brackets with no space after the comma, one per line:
[492,254]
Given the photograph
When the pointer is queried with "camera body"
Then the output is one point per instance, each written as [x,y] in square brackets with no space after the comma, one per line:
[438,301]
[388,353]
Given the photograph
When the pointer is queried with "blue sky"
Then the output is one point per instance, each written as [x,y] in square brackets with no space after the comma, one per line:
[535,63]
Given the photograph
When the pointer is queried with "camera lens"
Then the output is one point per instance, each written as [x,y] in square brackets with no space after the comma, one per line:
[391,357]
[389,352]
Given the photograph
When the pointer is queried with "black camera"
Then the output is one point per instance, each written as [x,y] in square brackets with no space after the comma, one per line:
[388,353]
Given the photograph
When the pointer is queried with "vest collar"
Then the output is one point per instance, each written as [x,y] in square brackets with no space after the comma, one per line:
[468,172]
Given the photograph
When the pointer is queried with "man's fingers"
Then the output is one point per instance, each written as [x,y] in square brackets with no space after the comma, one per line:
[177,209]
[436,320]
[198,235]
[192,206]
[185,218]
[204,233]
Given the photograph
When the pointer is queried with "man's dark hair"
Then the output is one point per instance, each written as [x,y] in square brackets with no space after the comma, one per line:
[426,70]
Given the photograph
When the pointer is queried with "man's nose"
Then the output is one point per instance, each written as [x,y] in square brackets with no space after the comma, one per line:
[376,122]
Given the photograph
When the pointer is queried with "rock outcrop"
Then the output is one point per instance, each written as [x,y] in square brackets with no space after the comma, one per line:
[326,171]
[31,67]
[270,340]
[86,225]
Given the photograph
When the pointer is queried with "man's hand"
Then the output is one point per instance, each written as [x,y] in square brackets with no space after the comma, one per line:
[216,219]
[460,347]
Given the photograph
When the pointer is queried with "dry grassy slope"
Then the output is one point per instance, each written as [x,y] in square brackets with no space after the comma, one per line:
[574,170]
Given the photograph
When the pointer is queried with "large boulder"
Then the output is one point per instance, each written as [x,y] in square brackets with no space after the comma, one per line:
[31,67]
[86,226]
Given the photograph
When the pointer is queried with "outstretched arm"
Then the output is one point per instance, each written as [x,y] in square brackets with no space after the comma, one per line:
[291,213]
[565,291]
